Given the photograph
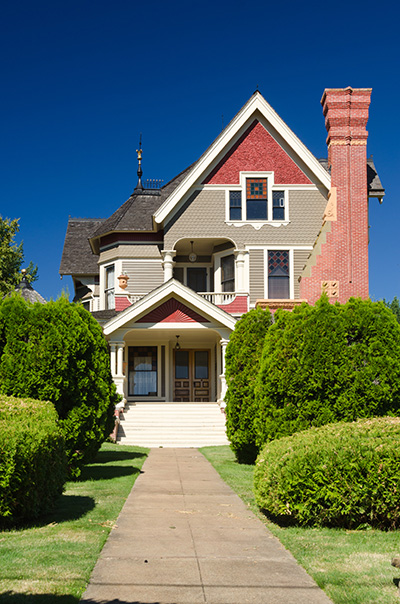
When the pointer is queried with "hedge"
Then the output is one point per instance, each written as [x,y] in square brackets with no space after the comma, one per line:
[242,361]
[57,352]
[325,364]
[33,463]
[341,475]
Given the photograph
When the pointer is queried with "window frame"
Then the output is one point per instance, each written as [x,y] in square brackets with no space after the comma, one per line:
[257,223]
[109,289]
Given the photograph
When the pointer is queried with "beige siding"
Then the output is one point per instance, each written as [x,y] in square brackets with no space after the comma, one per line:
[256,258]
[130,251]
[203,215]
[300,258]
[143,276]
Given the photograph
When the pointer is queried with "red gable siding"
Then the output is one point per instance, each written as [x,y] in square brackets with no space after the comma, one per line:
[172,311]
[256,151]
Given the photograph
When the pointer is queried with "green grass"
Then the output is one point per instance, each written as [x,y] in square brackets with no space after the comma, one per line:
[353,567]
[52,560]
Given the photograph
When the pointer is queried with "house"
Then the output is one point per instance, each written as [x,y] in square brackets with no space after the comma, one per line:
[257,220]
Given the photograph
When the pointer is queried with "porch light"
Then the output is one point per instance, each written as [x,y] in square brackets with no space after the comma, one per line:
[177,345]
[192,255]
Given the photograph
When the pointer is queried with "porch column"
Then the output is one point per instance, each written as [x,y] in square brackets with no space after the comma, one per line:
[240,272]
[224,344]
[168,263]
[113,346]
[120,358]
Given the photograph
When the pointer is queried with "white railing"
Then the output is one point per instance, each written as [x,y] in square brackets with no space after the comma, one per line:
[136,297]
[219,297]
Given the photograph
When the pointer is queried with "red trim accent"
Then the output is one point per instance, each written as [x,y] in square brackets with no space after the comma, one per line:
[121,302]
[172,311]
[238,305]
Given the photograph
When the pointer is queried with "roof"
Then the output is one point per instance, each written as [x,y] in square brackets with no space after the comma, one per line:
[136,214]
[77,257]
[375,188]
[28,293]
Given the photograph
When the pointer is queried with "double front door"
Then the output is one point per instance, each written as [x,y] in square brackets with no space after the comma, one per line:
[191,375]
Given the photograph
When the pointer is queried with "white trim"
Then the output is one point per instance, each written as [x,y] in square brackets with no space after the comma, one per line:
[256,103]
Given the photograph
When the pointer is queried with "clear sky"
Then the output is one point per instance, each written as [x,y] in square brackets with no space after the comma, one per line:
[82,78]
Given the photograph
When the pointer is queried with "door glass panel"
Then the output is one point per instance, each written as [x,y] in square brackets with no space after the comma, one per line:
[197,279]
[181,364]
[143,371]
[201,365]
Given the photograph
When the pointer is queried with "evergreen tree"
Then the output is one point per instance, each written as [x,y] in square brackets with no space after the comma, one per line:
[242,361]
[12,258]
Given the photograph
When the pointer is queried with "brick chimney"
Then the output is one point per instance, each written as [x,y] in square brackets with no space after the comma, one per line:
[339,262]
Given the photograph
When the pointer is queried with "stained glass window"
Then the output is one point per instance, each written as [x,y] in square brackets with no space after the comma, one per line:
[278,274]
[256,199]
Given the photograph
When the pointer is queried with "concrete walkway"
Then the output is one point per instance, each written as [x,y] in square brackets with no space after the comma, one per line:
[184,537]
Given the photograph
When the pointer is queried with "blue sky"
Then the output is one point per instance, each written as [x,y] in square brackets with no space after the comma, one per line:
[82,78]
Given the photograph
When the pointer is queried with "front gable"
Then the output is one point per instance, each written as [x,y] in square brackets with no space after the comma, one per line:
[256,151]
[169,304]
[256,140]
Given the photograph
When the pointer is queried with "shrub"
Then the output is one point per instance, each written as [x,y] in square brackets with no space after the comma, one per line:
[242,360]
[57,352]
[33,464]
[325,364]
[342,475]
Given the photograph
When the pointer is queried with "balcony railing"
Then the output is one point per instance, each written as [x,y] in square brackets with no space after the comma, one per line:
[219,298]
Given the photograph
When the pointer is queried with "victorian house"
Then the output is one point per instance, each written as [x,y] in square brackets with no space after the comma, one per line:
[257,220]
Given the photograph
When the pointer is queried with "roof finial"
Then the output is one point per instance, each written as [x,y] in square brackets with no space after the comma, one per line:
[139,186]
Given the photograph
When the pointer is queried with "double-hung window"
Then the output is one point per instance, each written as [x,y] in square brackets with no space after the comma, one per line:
[228,273]
[110,287]
[256,199]
[235,205]
[278,205]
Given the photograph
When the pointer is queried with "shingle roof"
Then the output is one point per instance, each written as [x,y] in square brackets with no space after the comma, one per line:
[28,293]
[136,214]
[77,257]
[375,188]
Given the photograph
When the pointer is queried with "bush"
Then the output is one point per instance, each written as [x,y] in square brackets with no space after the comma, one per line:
[325,364]
[57,352]
[341,475]
[33,464]
[242,360]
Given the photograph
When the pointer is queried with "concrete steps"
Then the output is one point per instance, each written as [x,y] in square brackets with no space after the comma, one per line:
[150,424]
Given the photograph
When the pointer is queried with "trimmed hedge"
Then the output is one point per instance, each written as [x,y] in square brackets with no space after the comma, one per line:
[325,364]
[242,361]
[340,475]
[57,352]
[33,464]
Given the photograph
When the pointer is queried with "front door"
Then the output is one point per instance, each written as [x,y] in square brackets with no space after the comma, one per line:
[192,375]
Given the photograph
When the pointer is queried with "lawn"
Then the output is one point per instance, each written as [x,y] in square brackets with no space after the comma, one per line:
[51,562]
[353,567]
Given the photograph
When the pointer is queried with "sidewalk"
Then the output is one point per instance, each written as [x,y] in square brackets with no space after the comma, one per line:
[184,537]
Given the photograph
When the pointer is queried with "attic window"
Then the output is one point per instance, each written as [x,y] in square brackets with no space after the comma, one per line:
[256,199]
[278,205]
[235,205]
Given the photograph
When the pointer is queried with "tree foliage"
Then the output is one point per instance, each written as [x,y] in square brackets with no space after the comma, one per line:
[325,364]
[57,352]
[12,257]
[394,306]
[343,475]
[242,360]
